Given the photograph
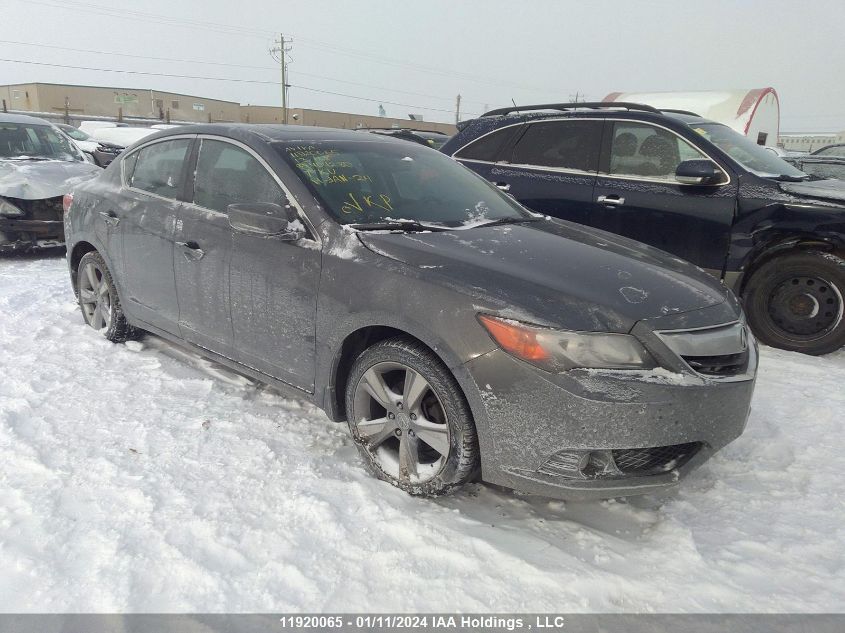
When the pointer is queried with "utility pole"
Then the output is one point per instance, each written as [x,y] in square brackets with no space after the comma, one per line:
[458,110]
[282,48]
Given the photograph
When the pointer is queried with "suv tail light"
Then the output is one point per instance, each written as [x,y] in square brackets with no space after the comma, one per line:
[67,200]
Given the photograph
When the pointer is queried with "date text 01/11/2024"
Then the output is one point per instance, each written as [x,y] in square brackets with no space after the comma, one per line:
[427,622]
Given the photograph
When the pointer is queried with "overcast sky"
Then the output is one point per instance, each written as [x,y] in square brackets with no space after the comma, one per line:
[419,55]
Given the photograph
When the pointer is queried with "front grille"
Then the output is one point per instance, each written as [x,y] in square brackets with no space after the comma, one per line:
[724,365]
[721,351]
[642,461]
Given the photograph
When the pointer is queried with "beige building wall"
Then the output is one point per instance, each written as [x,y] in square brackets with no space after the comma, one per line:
[154,104]
[130,102]
[346,120]
[20,97]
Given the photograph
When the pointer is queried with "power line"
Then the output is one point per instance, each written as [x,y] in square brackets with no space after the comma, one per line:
[265,34]
[252,81]
[225,64]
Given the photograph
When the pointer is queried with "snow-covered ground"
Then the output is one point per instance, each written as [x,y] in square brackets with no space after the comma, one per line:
[141,478]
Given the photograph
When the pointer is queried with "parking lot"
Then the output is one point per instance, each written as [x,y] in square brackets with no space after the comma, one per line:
[139,477]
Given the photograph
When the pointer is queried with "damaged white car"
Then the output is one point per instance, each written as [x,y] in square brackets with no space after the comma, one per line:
[38,165]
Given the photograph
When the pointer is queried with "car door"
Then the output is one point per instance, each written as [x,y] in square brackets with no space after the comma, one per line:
[552,167]
[272,283]
[637,195]
[202,254]
[154,177]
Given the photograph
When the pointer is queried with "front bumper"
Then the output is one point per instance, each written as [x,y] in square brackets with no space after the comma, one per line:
[25,235]
[41,225]
[535,422]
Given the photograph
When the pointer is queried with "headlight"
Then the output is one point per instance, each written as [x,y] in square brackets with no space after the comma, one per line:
[559,350]
[8,209]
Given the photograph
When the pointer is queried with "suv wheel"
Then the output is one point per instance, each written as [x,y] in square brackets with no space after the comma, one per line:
[795,302]
[98,299]
[409,418]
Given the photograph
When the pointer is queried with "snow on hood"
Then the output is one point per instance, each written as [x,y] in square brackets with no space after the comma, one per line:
[35,180]
[830,189]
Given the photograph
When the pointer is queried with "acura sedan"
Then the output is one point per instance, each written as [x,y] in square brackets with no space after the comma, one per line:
[459,335]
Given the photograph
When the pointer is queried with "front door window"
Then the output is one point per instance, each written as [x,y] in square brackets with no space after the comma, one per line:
[646,151]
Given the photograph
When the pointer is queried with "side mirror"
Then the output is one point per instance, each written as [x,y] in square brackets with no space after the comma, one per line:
[264,218]
[698,172]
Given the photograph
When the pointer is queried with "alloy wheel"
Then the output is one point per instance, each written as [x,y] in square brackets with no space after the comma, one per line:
[401,421]
[95,297]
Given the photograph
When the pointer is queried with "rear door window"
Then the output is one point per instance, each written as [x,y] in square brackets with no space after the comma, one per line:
[227,174]
[490,148]
[573,145]
[159,168]
[646,151]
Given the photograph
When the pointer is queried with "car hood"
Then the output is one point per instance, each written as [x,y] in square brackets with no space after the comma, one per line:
[556,273]
[35,180]
[828,189]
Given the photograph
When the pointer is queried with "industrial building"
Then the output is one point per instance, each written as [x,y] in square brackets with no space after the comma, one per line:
[142,106]
[810,142]
[116,102]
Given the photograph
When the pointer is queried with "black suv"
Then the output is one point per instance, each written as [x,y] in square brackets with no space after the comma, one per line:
[689,186]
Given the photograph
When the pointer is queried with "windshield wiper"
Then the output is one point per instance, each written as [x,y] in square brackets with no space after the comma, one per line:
[28,158]
[516,220]
[398,225]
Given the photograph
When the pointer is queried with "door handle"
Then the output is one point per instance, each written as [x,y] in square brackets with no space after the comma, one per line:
[110,217]
[503,186]
[613,201]
[191,251]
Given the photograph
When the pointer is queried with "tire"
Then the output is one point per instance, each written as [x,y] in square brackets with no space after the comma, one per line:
[795,302]
[436,412]
[98,300]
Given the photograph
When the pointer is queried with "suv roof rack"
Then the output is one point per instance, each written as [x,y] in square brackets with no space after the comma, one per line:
[593,105]
[674,111]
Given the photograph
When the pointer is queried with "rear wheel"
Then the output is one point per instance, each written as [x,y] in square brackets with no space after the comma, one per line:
[409,418]
[795,302]
[98,299]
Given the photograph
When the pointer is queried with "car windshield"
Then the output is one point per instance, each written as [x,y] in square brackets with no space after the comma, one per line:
[76,134]
[833,150]
[27,141]
[366,182]
[433,139]
[755,158]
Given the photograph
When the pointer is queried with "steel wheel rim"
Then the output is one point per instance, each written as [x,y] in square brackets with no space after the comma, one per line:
[95,297]
[399,418]
[805,307]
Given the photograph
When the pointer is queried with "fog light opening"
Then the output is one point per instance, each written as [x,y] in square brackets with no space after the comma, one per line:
[600,464]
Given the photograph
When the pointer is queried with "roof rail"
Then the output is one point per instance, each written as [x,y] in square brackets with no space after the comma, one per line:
[673,111]
[593,105]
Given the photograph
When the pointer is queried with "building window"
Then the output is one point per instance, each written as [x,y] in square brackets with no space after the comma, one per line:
[761,138]
[174,105]
[159,103]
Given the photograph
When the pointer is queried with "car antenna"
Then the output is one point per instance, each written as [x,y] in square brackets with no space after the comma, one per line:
[513,102]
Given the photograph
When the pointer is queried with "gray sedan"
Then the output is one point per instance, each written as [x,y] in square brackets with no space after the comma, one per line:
[459,335]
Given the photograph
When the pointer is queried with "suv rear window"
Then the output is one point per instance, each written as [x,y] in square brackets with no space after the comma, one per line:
[560,144]
[489,148]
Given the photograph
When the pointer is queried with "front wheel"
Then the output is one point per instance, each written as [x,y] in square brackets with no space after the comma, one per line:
[409,418]
[98,299]
[795,302]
